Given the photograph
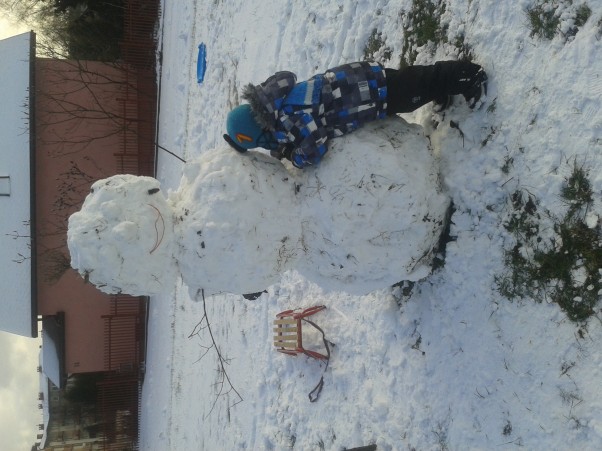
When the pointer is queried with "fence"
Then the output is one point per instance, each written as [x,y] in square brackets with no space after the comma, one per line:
[124,334]
[119,391]
[125,326]
[139,54]
[119,404]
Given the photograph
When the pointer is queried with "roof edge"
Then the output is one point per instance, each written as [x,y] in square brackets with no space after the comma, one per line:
[60,318]
[33,185]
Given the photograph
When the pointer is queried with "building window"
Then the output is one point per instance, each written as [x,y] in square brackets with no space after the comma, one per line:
[4,185]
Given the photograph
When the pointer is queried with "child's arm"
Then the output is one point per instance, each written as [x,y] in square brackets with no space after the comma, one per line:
[267,97]
[308,141]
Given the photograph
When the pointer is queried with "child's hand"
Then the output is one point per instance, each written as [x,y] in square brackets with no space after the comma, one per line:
[479,88]
[283,151]
[472,80]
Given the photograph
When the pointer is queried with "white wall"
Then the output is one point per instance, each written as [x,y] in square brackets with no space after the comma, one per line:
[15,254]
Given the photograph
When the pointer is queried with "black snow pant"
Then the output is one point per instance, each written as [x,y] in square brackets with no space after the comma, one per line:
[414,86]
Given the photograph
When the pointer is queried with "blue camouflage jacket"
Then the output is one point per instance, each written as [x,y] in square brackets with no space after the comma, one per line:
[303,116]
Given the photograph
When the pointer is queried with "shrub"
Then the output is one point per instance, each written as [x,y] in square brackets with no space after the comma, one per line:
[422,25]
[564,269]
[375,48]
[543,19]
[577,191]
[583,14]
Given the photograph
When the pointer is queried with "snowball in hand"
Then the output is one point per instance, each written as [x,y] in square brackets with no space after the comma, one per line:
[369,216]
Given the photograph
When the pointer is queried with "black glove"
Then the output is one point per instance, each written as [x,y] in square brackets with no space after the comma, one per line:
[478,88]
[470,80]
[283,151]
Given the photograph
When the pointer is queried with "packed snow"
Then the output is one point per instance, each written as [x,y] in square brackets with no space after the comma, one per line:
[236,224]
[139,257]
[450,364]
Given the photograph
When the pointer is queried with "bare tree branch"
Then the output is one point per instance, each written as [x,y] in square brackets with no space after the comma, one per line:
[223,384]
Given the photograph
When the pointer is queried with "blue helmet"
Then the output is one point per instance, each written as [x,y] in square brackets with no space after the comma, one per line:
[244,132]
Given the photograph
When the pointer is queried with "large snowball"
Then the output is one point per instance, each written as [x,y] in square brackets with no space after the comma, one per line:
[373,211]
[122,238]
[238,222]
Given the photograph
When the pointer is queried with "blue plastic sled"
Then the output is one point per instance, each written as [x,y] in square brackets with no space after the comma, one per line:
[201,65]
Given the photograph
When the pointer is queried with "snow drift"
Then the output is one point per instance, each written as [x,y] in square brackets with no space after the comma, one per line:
[369,216]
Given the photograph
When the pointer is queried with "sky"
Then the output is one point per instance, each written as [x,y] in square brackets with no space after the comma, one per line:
[19,382]
[19,385]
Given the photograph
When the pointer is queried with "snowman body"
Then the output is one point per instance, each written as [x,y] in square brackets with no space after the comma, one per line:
[368,216]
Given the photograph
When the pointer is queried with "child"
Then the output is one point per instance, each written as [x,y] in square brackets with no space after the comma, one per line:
[296,120]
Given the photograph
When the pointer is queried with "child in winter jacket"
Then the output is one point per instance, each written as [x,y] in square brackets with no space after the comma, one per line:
[296,120]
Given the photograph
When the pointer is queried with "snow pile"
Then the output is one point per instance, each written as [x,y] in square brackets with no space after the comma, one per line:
[373,211]
[236,223]
[122,240]
[237,216]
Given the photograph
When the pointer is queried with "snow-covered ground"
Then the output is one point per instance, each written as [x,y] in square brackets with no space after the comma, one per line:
[456,366]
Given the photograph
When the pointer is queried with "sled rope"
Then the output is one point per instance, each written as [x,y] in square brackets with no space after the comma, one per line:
[315,393]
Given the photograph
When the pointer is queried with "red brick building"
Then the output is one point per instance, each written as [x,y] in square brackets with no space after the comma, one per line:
[86,123]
